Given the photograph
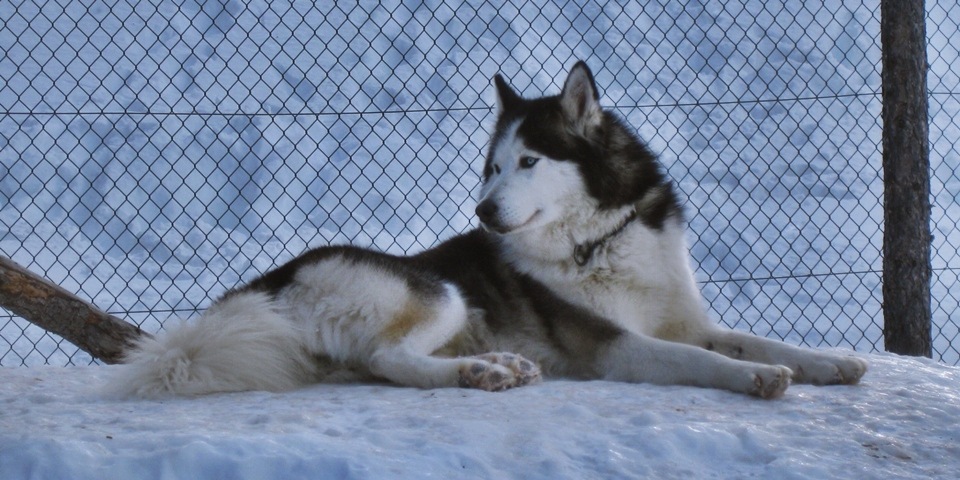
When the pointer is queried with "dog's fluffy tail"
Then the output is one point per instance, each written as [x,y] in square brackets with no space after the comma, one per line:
[241,343]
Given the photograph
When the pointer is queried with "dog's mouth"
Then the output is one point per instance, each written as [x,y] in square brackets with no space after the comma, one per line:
[505,229]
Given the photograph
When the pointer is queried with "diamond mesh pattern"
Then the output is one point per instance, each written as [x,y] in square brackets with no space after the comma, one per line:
[943,85]
[154,154]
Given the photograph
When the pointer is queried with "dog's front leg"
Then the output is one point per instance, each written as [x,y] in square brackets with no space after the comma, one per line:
[637,358]
[808,365]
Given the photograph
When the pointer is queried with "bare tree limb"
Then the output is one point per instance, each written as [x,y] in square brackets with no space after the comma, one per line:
[56,310]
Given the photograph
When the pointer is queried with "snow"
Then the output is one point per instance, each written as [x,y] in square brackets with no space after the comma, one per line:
[900,422]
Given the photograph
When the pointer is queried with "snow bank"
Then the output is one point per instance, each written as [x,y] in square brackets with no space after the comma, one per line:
[899,423]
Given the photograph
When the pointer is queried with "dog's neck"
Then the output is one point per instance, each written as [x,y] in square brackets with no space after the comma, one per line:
[582,252]
[569,244]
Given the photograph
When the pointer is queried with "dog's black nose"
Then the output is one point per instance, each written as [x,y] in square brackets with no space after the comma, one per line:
[486,211]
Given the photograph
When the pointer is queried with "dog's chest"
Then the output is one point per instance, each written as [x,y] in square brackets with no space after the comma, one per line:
[640,279]
[634,298]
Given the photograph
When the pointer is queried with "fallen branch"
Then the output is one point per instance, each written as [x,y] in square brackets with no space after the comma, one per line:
[56,310]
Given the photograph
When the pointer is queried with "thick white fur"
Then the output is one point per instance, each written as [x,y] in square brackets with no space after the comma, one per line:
[346,308]
[242,343]
[351,310]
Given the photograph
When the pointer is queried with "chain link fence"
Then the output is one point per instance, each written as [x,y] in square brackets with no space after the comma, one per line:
[154,154]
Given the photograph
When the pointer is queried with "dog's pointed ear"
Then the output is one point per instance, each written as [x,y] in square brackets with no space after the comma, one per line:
[580,99]
[506,97]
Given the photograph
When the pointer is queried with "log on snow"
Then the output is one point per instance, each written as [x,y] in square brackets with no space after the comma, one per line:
[56,310]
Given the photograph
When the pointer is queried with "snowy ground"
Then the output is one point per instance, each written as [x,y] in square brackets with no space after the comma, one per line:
[900,422]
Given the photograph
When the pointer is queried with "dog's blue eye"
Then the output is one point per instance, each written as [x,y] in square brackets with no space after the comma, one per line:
[528,162]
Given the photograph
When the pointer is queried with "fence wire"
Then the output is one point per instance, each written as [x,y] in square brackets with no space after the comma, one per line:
[154,154]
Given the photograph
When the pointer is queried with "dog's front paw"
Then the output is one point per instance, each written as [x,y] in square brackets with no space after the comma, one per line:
[831,371]
[771,381]
[494,372]
[851,369]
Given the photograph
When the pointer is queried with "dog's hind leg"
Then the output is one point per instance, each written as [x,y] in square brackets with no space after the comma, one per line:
[637,358]
[808,365]
[491,371]
[404,351]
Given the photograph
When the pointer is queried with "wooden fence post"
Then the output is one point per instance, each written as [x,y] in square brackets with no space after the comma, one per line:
[906,179]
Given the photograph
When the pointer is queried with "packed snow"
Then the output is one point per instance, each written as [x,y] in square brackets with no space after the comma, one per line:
[899,422]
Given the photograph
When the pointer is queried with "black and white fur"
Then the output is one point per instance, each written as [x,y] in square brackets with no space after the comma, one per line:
[581,270]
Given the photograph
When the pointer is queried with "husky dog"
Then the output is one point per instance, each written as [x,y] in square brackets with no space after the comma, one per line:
[580,270]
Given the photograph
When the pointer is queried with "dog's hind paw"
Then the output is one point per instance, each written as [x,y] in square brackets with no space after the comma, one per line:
[525,371]
[498,371]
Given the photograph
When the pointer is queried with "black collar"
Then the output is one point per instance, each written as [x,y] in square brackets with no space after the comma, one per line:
[582,252]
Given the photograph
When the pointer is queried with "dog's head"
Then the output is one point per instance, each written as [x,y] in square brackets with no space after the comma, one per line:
[558,157]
